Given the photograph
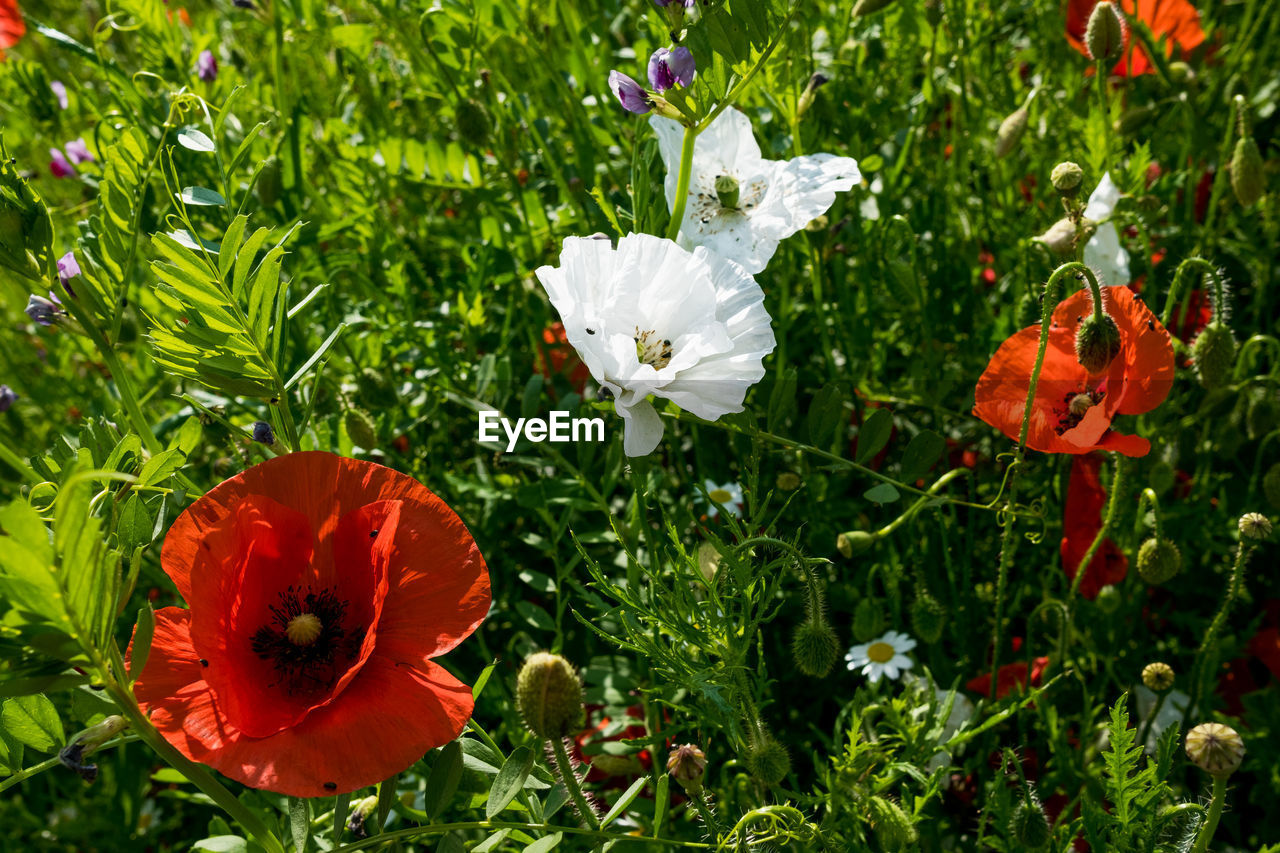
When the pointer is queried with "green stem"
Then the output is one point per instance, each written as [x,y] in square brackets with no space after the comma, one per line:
[704,812]
[1117,485]
[17,463]
[1179,285]
[682,183]
[498,825]
[570,780]
[1101,75]
[1215,812]
[1203,655]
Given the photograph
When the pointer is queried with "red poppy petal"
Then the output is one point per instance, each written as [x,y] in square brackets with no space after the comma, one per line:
[12,27]
[172,691]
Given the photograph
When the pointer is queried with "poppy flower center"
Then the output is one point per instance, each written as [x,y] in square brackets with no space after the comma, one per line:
[306,640]
[1075,405]
[880,653]
[651,349]
[721,496]
[1080,404]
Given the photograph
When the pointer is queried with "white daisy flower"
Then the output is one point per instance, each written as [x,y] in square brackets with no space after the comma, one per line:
[885,656]
[729,496]
[1103,253]
[740,206]
[649,317]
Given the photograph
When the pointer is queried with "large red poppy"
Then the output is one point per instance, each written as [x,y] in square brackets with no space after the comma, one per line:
[1072,411]
[320,588]
[1081,521]
[1175,21]
[12,27]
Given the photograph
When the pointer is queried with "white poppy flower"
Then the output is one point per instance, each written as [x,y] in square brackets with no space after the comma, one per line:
[884,656]
[775,198]
[729,496]
[1103,253]
[649,317]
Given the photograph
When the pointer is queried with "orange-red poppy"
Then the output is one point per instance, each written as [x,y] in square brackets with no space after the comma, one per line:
[1176,22]
[319,590]
[1010,677]
[12,27]
[1081,521]
[1072,411]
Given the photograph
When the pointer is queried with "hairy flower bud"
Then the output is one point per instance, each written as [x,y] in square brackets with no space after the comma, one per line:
[815,647]
[1255,525]
[1247,178]
[375,389]
[1097,343]
[687,764]
[361,428]
[1028,824]
[1011,130]
[928,618]
[1104,35]
[892,825]
[1262,415]
[473,122]
[1157,676]
[1216,749]
[1158,560]
[549,696]
[868,619]
[767,759]
[1214,354]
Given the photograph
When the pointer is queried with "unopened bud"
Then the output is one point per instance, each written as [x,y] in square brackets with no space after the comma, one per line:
[767,759]
[1255,525]
[1097,343]
[1104,35]
[868,619]
[1109,599]
[375,389]
[1029,826]
[1216,749]
[892,825]
[361,428]
[788,481]
[1011,130]
[1271,485]
[549,696]
[1157,676]
[1060,238]
[815,647]
[473,122]
[687,764]
[1214,355]
[854,542]
[866,7]
[1158,560]
[1247,178]
[810,91]
[1262,415]
[928,618]
[360,814]
[933,13]
[84,744]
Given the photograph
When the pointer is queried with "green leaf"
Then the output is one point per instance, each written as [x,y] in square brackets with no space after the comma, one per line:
[509,781]
[160,466]
[534,616]
[231,239]
[222,844]
[32,720]
[302,372]
[542,845]
[625,800]
[874,434]
[826,412]
[11,752]
[922,453]
[202,197]
[143,632]
[194,139]
[300,822]
[386,796]
[885,493]
[446,773]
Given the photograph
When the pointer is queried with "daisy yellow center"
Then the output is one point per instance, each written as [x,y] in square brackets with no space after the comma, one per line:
[1080,404]
[303,629]
[721,496]
[880,653]
[651,349]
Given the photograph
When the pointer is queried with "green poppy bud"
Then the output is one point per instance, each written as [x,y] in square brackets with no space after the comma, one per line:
[868,619]
[767,759]
[1097,343]
[1029,826]
[1214,354]
[549,696]
[473,122]
[892,825]
[815,647]
[1158,560]
[1104,35]
[375,389]
[1011,130]
[1271,485]
[361,428]
[928,618]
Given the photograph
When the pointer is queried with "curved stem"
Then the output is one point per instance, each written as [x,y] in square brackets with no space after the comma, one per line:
[1215,812]
[682,183]
[1148,497]
[570,780]
[1205,652]
[1180,276]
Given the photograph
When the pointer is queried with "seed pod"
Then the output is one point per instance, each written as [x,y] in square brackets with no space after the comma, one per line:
[549,696]
[1254,525]
[1214,354]
[1157,676]
[1097,343]
[1066,178]
[1158,560]
[1216,749]
[928,618]
[1011,130]
[815,647]
[1029,826]
[1104,35]
[767,759]
[361,428]
[893,826]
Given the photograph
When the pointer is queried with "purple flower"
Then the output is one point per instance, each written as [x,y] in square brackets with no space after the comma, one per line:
[7,398]
[630,93]
[78,151]
[43,311]
[59,92]
[207,66]
[262,433]
[669,67]
[59,165]
[68,268]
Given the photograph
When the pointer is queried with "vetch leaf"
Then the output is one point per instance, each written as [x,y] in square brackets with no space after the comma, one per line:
[509,781]
[625,800]
[885,493]
[446,773]
[194,139]
[922,453]
[33,721]
[202,197]
[874,434]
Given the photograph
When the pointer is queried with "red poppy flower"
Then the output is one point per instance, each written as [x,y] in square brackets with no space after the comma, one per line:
[1081,521]
[1199,313]
[1072,411]
[1265,646]
[320,588]
[12,27]
[1011,676]
[562,358]
[1176,22]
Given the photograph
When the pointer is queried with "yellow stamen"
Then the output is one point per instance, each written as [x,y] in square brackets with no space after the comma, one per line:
[721,496]
[880,653]
[1080,404]
[303,629]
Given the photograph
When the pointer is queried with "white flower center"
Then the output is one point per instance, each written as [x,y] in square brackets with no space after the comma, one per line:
[721,496]
[651,349]
[880,652]
[303,629]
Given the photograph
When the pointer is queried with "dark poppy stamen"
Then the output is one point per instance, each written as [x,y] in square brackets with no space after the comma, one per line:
[307,639]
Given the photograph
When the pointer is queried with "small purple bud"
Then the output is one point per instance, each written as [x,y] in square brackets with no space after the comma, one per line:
[43,311]
[661,76]
[59,92]
[78,151]
[629,93]
[59,165]
[207,66]
[7,398]
[681,63]
[262,433]
[68,268]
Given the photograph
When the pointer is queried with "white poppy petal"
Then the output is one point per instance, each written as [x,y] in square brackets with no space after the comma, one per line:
[642,429]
